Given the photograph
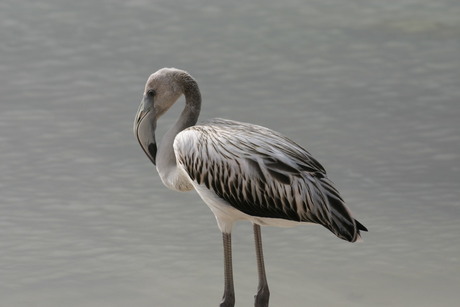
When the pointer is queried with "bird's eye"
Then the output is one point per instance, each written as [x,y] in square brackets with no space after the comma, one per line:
[150,93]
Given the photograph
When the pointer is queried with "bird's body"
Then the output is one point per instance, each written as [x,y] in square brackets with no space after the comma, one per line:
[241,171]
[249,172]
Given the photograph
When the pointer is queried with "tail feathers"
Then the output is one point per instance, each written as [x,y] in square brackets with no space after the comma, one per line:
[360,226]
[342,224]
[329,210]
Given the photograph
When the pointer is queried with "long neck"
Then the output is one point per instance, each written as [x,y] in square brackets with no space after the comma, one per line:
[166,159]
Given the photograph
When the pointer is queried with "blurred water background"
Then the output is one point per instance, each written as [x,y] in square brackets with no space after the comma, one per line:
[371,88]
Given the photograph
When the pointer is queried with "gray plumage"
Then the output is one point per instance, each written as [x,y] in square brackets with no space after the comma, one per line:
[263,174]
[241,171]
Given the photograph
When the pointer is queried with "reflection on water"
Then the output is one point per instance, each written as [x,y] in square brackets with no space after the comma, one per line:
[371,89]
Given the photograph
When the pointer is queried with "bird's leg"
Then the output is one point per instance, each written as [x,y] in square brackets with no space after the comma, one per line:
[228,300]
[263,293]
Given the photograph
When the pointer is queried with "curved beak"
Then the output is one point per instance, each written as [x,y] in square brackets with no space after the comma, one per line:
[145,124]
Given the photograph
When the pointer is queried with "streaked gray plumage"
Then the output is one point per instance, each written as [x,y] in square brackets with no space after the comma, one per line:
[242,171]
[263,174]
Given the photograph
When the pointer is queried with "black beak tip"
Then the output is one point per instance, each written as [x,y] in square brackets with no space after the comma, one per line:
[152,152]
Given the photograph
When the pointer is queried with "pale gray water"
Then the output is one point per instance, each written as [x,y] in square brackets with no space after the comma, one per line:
[371,88]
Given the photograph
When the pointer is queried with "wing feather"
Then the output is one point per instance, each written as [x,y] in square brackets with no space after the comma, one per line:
[262,173]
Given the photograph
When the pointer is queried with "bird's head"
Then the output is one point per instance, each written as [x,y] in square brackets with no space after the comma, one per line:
[161,91]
